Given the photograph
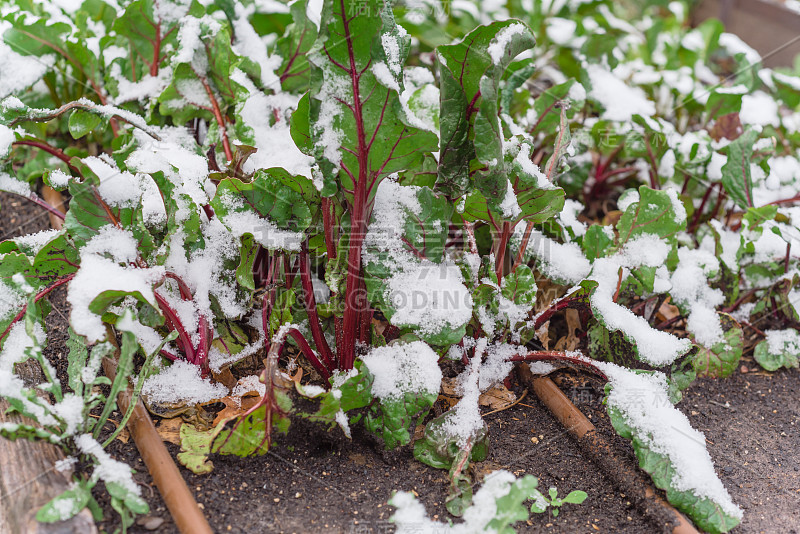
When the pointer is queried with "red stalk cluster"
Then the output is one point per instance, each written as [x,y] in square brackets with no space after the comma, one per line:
[355,323]
[197,355]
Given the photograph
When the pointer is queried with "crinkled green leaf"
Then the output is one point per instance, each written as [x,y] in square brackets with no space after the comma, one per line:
[470,73]
[195,448]
[736,173]
[88,213]
[424,237]
[438,449]
[268,195]
[65,505]
[722,358]
[596,242]
[520,286]
[294,72]
[705,513]
[772,361]
[355,118]
[394,419]
[653,214]
[353,393]
[149,33]
[203,71]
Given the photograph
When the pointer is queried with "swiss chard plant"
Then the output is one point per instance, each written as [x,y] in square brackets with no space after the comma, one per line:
[364,191]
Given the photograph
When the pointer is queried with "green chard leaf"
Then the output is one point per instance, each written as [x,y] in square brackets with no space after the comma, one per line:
[205,73]
[272,208]
[357,129]
[420,238]
[294,72]
[394,420]
[706,513]
[65,505]
[470,73]
[722,358]
[780,349]
[89,211]
[149,34]
[736,173]
[654,212]
[438,449]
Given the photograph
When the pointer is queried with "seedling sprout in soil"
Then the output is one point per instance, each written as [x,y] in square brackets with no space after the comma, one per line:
[358,195]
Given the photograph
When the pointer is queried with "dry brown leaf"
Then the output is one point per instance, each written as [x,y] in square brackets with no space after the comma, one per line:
[728,126]
[170,430]
[124,436]
[543,334]
[497,397]
[667,311]
[298,375]
[573,324]
[225,377]
[449,401]
[449,387]
[379,325]
[235,406]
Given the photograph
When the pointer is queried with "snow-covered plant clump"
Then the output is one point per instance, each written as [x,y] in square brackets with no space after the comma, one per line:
[373,191]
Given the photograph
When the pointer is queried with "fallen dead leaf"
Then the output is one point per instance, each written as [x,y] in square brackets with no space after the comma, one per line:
[225,377]
[728,126]
[543,333]
[573,325]
[449,387]
[170,430]
[358,459]
[235,406]
[497,397]
[124,436]
[449,401]
[667,311]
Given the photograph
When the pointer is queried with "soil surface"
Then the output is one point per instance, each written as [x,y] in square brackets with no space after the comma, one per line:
[317,481]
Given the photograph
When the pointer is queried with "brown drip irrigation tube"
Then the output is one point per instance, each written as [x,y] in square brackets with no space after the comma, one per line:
[601,451]
[54,198]
[168,479]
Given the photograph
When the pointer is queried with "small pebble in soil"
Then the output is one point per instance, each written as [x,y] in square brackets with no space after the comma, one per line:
[150,522]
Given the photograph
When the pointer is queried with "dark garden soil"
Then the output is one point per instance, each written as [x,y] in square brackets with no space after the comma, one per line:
[315,481]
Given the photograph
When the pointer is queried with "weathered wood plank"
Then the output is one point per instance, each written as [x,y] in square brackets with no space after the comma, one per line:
[29,479]
[766,25]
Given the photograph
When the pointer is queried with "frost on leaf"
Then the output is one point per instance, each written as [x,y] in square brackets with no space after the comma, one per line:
[780,349]
[406,381]
[668,448]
